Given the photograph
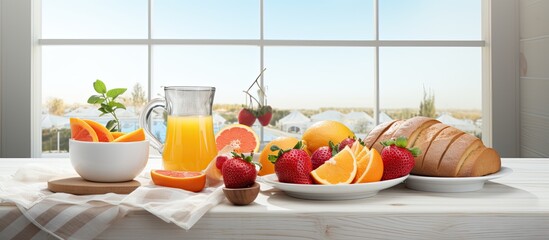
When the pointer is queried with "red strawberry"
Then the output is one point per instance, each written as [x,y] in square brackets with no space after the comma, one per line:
[219,160]
[323,154]
[239,171]
[398,160]
[346,142]
[292,165]
[246,117]
[264,115]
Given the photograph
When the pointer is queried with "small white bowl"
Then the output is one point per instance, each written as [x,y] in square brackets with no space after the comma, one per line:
[108,161]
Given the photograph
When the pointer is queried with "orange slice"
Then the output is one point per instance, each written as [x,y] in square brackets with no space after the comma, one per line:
[369,167]
[82,131]
[103,134]
[135,136]
[356,147]
[241,137]
[116,135]
[340,169]
[362,153]
[190,181]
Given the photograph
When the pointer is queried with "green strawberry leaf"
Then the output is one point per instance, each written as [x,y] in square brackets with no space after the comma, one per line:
[415,151]
[273,158]
[298,145]
[388,142]
[401,142]
[333,147]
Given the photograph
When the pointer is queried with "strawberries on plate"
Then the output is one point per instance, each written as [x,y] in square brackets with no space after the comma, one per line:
[398,160]
[292,165]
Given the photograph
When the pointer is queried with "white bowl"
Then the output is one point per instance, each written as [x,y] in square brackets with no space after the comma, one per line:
[108,161]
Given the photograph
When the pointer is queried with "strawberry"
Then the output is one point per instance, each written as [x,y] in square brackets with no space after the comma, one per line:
[292,165]
[323,154]
[264,115]
[246,117]
[219,160]
[398,160]
[239,171]
[346,142]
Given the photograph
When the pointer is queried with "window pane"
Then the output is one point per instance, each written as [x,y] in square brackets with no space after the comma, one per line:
[68,73]
[94,19]
[319,19]
[430,20]
[201,19]
[452,76]
[230,69]
[321,83]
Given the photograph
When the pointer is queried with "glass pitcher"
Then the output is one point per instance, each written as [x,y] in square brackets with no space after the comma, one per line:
[190,142]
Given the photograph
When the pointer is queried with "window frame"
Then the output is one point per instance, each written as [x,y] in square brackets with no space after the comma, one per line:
[492,12]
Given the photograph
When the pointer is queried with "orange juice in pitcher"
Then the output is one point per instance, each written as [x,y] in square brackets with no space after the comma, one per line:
[190,141]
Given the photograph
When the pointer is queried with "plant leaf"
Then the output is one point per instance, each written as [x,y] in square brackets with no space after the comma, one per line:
[110,125]
[115,92]
[99,86]
[101,109]
[93,99]
[108,108]
[118,105]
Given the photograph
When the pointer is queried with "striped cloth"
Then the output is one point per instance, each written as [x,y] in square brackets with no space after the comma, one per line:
[41,214]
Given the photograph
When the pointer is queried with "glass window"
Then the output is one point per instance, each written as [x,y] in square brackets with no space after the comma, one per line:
[311,80]
[319,19]
[120,19]
[68,73]
[321,83]
[450,76]
[430,20]
[228,68]
[205,19]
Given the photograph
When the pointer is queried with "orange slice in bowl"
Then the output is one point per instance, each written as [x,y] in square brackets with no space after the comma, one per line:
[241,137]
[116,135]
[103,134]
[135,136]
[190,181]
[82,131]
[340,169]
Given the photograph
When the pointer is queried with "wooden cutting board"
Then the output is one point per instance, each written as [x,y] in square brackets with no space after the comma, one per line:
[79,186]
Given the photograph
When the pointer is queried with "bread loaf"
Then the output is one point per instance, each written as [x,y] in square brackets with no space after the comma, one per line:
[423,142]
[376,132]
[386,135]
[412,127]
[433,155]
[445,151]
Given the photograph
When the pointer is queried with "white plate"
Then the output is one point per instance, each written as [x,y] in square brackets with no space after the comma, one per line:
[452,184]
[331,192]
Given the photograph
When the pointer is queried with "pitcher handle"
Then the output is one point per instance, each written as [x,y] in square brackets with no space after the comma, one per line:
[144,121]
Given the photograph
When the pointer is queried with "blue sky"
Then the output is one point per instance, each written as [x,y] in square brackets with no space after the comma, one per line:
[296,77]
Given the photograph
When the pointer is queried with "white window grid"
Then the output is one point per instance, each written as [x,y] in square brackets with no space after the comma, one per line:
[261,42]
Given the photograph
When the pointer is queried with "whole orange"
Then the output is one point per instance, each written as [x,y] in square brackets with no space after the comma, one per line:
[321,133]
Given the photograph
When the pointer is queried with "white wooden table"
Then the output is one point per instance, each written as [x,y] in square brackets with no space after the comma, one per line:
[512,207]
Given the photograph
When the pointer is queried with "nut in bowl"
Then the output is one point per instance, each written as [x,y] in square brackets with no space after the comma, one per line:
[108,161]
